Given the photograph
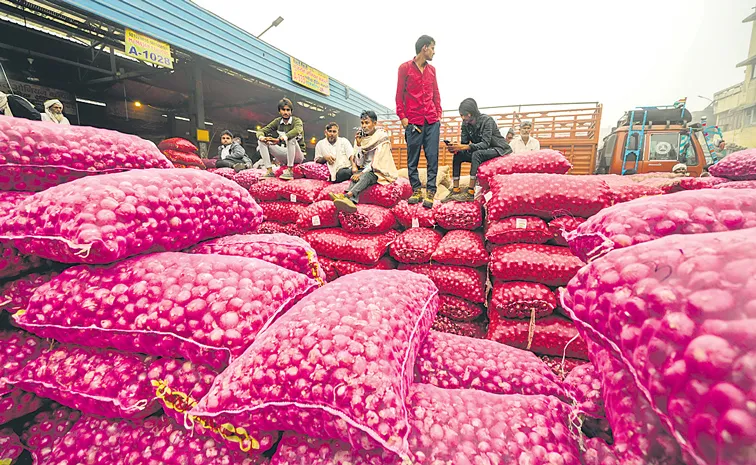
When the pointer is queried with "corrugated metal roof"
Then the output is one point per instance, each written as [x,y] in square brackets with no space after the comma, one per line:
[199,32]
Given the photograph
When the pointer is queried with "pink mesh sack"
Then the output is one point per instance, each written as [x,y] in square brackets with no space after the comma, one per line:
[597,452]
[312,170]
[15,403]
[678,311]
[341,245]
[42,433]
[248,178]
[456,362]
[10,446]
[701,183]
[269,227]
[95,381]
[564,224]
[329,365]
[415,245]
[519,299]
[473,329]
[295,449]
[337,268]
[546,196]
[267,190]
[468,283]
[414,216]
[631,191]
[185,159]
[178,144]
[9,200]
[35,155]
[643,220]
[738,166]
[387,195]
[737,185]
[107,218]
[319,215]
[368,219]
[461,247]
[302,190]
[459,215]
[525,229]
[289,252]
[458,308]
[546,264]
[562,366]
[296,171]
[17,349]
[227,173]
[13,263]
[551,335]
[209,163]
[281,212]
[206,308]
[336,188]
[155,440]
[584,387]
[540,161]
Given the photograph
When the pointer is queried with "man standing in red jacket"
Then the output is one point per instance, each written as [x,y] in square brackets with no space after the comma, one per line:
[418,105]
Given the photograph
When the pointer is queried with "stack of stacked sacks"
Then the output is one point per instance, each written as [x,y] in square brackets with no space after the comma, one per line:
[182,153]
[445,243]
[350,242]
[525,265]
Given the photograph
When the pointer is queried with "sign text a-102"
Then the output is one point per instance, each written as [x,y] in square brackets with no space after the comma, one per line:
[148,49]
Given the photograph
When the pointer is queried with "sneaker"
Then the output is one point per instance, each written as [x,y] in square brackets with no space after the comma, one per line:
[269,173]
[240,167]
[451,195]
[287,175]
[416,198]
[465,196]
[344,204]
[334,195]
[428,199]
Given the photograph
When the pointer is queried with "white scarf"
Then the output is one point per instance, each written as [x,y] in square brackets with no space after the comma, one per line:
[55,118]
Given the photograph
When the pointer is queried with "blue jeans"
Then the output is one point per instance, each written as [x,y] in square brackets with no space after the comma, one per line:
[427,140]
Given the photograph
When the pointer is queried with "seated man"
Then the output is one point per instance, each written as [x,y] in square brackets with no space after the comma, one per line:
[377,163]
[336,152]
[510,135]
[231,154]
[481,141]
[525,142]
[284,139]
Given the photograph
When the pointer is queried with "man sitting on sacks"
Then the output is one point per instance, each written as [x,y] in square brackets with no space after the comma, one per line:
[373,164]
[336,152]
[282,138]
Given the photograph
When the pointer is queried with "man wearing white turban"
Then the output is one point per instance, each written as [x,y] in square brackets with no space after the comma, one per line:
[4,108]
[54,112]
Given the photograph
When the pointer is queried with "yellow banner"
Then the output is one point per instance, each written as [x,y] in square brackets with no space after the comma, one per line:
[148,49]
[306,75]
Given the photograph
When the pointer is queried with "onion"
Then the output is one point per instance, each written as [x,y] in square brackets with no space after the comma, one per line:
[525,229]
[552,335]
[337,268]
[546,264]
[461,247]
[415,245]
[281,212]
[471,329]
[458,308]
[584,386]
[341,245]
[10,446]
[519,299]
[321,214]
[368,219]
[414,216]
[468,283]
[459,215]
[738,166]
[540,161]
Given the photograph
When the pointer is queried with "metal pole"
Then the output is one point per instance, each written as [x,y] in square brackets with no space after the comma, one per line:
[199,101]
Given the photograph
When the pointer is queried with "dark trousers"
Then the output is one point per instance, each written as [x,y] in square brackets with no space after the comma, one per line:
[230,162]
[343,175]
[366,180]
[474,158]
[428,141]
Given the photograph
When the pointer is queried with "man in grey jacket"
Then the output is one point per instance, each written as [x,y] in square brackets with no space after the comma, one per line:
[231,154]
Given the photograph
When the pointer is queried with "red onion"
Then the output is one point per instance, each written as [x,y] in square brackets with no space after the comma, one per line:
[368,219]
[546,264]
[337,268]
[269,227]
[281,212]
[564,224]
[737,185]
[561,366]
[551,335]
[319,215]
[458,308]
[387,195]
[268,190]
[414,216]
[471,329]
[523,229]
[178,144]
[461,247]
[415,245]
[459,215]
[518,299]
[541,161]
[738,166]
[597,452]
[10,446]
[584,386]
[43,432]
[468,283]
[182,158]
[312,170]
[341,245]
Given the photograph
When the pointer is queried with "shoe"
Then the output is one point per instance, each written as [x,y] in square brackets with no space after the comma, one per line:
[430,196]
[416,198]
[451,195]
[334,195]
[240,167]
[269,173]
[287,175]
[465,196]
[344,204]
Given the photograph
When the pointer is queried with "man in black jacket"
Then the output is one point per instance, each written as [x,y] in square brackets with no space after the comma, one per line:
[481,141]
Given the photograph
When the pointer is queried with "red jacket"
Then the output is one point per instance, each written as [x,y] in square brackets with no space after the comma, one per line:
[417,97]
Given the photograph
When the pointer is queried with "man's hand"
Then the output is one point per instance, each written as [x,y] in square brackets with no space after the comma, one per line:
[405,122]
[358,139]
[356,177]
[454,148]
[330,159]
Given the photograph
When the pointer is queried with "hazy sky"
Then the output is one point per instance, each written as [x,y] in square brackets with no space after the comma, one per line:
[622,54]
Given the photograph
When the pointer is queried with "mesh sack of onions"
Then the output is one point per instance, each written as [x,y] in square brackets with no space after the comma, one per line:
[584,387]
[302,190]
[10,446]
[458,308]
[178,144]
[468,283]
[296,449]
[15,403]
[341,245]
[546,196]
[328,366]
[227,173]
[9,200]
[546,264]
[209,163]
[541,161]
[415,245]
[737,185]
[414,216]
[267,190]
[248,178]
[337,268]
[461,247]
[332,188]
[387,195]
[206,308]
[550,335]
[459,215]
[562,366]
[312,170]
[368,219]
[738,166]
[598,452]
[472,329]
[643,220]
[182,158]
[35,155]
[295,171]
[523,229]
[43,431]
[289,252]
[521,299]
[17,349]
[96,381]
[457,362]
[631,191]
[106,218]
[319,215]
[701,183]
[678,312]
[269,227]
[12,262]
[564,224]
[281,211]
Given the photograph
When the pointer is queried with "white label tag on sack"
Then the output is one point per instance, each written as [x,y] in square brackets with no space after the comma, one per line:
[415,223]
[316,220]
[488,196]
[521,223]
[293,198]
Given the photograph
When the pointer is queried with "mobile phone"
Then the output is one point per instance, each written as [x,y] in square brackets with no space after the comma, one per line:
[447,142]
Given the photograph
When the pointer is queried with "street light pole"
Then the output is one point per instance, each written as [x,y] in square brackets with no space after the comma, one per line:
[275,23]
